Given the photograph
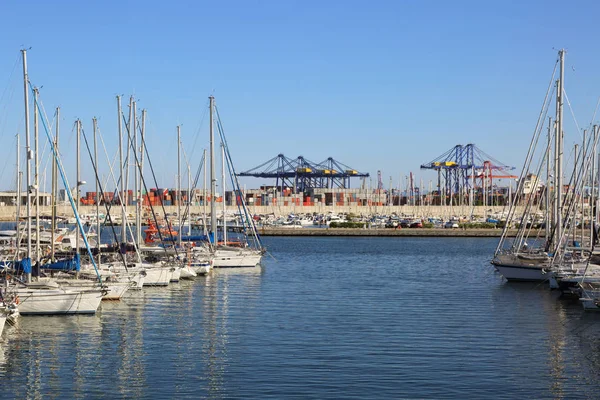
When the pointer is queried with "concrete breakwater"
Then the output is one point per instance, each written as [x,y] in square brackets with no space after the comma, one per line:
[416,232]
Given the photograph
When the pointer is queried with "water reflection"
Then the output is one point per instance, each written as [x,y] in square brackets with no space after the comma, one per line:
[36,351]
[224,289]
[565,326]
[585,334]
[3,358]
[557,336]
[123,337]
[428,320]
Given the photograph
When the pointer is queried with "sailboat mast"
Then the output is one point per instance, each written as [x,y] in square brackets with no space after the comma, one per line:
[78,181]
[140,198]
[223,187]
[121,183]
[572,192]
[597,182]
[136,181]
[593,186]
[204,187]
[559,148]
[36,176]
[18,192]
[126,197]
[213,180]
[584,172]
[28,155]
[54,185]
[95,124]
[421,196]
[178,194]
[189,199]
[549,144]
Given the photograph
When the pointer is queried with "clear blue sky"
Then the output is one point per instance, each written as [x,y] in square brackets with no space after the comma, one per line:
[382,85]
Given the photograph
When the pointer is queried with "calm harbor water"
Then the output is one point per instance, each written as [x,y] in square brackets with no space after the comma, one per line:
[323,318]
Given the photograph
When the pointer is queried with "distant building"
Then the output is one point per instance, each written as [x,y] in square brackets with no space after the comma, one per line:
[531,184]
[10,199]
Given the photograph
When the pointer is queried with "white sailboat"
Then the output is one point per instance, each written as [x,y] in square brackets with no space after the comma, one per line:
[187,272]
[224,256]
[147,274]
[201,267]
[176,274]
[113,290]
[43,298]
[522,261]
[54,301]
[157,275]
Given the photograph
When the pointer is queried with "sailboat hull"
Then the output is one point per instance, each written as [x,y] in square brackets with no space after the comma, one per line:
[176,275]
[202,268]
[159,276]
[113,290]
[138,281]
[537,273]
[187,272]
[227,259]
[116,290]
[523,267]
[589,304]
[58,301]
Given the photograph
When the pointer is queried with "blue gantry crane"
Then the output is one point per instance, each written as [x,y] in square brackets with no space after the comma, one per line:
[302,174]
[461,166]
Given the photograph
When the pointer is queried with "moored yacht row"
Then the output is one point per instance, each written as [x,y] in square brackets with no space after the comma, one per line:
[70,271]
[75,293]
[562,249]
